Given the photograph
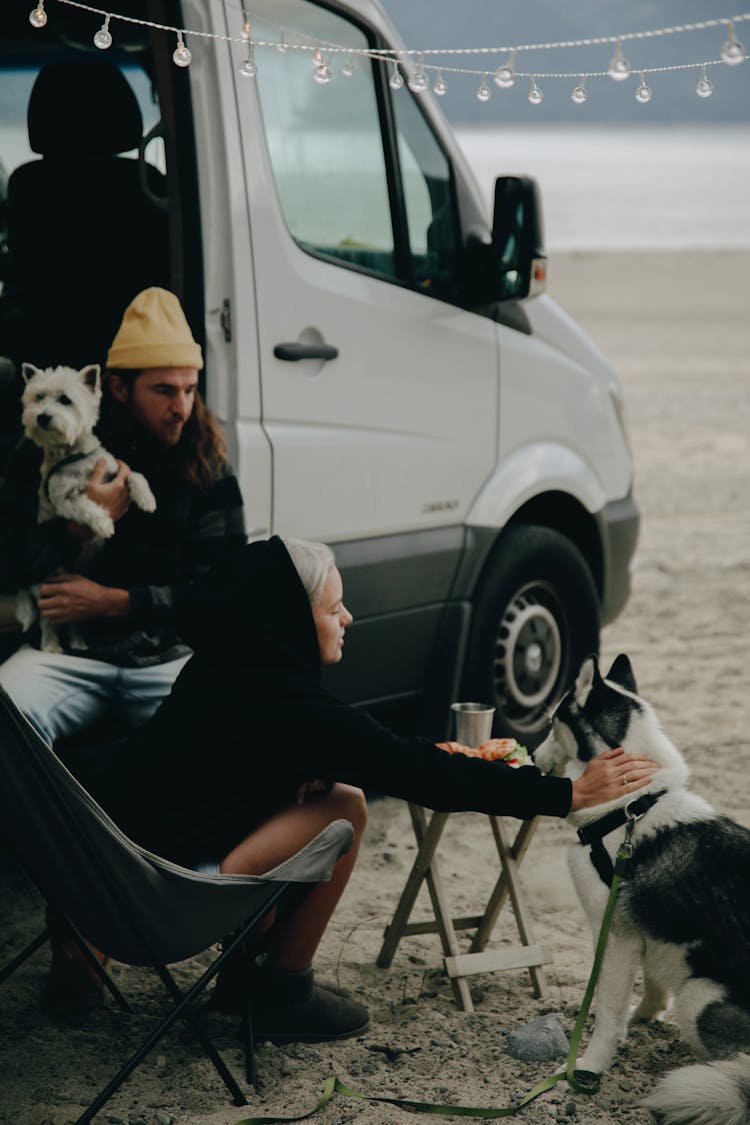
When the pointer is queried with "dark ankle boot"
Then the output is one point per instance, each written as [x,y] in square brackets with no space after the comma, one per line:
[289,1007]
[73,984]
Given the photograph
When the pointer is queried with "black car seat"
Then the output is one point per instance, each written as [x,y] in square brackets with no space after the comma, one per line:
[87,228]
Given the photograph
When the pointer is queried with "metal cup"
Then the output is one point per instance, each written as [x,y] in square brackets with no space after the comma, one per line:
[473,722]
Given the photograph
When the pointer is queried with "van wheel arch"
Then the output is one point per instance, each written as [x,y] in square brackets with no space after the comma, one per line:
[536,615]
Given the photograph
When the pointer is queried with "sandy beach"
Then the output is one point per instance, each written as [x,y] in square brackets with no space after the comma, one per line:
[677,327]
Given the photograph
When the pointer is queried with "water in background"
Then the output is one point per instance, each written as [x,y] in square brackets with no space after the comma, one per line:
[661,188]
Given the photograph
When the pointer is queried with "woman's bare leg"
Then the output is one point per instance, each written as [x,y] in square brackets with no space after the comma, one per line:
[296,939]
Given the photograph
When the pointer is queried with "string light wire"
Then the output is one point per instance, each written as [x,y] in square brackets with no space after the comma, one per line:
[396,55]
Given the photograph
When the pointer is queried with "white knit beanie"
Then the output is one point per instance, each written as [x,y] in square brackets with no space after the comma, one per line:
[154,333]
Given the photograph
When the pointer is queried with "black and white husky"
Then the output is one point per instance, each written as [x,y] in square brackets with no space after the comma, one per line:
[684,913]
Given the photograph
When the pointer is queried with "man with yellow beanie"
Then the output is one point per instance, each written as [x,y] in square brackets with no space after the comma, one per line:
[127,651]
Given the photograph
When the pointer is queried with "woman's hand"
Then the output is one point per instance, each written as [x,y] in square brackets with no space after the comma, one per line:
[609,776]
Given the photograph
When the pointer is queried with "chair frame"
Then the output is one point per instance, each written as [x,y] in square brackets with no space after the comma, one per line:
[269,893]
[182,1002]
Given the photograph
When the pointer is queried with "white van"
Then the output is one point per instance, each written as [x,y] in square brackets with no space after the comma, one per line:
[387,372]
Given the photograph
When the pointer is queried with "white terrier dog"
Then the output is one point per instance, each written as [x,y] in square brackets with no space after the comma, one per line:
[60,410]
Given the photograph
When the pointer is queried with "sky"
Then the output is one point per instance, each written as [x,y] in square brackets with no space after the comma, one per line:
[462,23]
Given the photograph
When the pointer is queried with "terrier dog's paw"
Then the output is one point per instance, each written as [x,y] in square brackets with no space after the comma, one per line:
[50,642]
[101,523]
[25,609]
[140,493]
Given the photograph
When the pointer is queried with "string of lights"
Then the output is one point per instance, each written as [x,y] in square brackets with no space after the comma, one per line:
[420,75]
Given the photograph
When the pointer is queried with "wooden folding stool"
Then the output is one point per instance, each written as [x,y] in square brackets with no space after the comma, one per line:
[458,965]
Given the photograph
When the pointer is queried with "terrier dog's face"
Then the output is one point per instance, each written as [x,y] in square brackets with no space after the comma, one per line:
[60,404]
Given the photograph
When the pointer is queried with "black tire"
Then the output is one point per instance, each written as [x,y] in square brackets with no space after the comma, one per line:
[536,616]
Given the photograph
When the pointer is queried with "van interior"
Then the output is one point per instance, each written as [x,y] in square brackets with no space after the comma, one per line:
[97,198]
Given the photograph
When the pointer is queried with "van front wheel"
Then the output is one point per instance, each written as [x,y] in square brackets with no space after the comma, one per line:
[536,616]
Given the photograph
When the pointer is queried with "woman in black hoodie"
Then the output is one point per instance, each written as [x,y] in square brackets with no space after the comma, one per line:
[250,757]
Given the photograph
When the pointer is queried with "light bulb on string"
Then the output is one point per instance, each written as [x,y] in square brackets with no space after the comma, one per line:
[249,68]
[644,93]
[347,69]
[580,94]
[484,93]
[619,68]
[103,39]
[38,16]
[504,76]
[705,87]
[418,82]
[323,73]
[282,46]
[441,86]
[536,97]
[732,52]
[181,55]
[395,81]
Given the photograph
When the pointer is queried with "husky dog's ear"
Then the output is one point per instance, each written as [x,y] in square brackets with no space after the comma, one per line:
[89,376]
[587,677]
[28,371]
[621,673]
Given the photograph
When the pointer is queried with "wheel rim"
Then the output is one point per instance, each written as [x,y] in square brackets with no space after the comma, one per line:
[529,647]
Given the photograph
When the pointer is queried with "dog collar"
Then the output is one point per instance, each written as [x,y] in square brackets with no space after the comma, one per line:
[593,834]
[69,460]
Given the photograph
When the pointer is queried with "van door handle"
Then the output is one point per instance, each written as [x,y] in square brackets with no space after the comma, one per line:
[296,351]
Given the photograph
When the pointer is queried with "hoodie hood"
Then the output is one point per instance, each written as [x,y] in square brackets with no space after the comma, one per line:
[252,610]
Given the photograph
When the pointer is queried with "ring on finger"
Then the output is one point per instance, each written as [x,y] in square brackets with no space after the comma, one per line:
[625,779]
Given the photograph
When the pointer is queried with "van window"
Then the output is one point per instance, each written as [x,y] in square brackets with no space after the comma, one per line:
[429,199]
[324,139]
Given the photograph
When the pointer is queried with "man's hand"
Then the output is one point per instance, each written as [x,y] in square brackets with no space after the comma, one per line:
[609,776]
[113,495]
[66,598]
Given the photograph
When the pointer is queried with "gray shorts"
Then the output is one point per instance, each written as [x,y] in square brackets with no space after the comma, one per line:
[207,867]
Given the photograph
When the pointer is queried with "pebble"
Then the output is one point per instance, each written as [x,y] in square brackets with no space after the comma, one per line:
[164,1118]
[541,1040]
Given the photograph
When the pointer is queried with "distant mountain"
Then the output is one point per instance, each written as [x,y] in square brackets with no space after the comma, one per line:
[471,23]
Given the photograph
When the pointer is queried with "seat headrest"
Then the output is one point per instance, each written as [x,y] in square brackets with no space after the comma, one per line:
[84,108]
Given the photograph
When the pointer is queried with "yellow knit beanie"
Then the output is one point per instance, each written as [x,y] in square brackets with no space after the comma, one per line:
[154,333]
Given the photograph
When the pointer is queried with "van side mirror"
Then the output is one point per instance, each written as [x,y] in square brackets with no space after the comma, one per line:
[514,265]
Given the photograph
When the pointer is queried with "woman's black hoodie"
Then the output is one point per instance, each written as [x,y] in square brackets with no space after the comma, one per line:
[248,720]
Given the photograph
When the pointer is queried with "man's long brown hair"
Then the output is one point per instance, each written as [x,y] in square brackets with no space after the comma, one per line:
[201,444]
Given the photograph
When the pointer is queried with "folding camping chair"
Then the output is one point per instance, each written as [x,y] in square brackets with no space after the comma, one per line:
[141,909]
[478,959]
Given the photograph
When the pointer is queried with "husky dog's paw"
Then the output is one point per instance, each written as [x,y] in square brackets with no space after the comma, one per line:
[597,1058]
[140,493]
[646,1012]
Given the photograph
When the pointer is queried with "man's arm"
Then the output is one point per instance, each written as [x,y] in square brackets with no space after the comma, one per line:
[217,529]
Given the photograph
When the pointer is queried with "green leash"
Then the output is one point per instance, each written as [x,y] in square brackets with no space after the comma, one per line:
[582,1081]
